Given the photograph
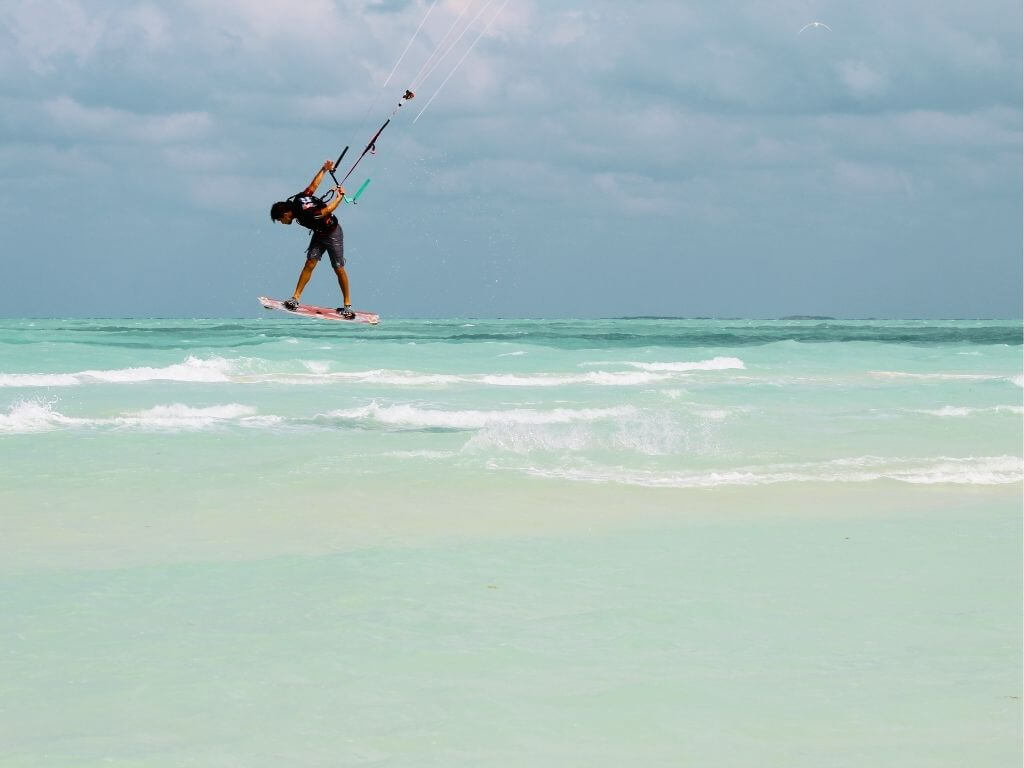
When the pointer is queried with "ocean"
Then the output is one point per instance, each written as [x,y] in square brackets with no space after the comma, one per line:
[645,541]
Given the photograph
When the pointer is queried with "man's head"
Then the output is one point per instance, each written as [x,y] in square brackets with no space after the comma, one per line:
[282,211]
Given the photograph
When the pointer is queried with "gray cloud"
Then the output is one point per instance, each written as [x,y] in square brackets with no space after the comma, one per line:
[698,157]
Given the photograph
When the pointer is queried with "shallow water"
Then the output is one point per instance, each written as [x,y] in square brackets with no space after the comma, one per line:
[637,402]
[650,541]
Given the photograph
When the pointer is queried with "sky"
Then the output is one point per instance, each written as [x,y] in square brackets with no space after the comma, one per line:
[586,159]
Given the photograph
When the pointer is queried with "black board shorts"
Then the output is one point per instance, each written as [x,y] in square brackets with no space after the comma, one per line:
[332,241]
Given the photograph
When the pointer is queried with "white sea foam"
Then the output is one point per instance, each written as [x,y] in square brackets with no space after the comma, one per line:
[685,366]
[531,438]
[399,378]
[715,364]
[317,366]
[29,416]
[317,372]
[38,380]
[267,420]
[193,369]
[213,370]
[987,470]
[949,410]
[622,430]
[179,416]
[961,411]
[597,378]
[379,376]
[411,416]
[996,470]
[525,430]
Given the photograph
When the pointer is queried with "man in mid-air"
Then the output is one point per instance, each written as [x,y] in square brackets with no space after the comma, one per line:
[316,215]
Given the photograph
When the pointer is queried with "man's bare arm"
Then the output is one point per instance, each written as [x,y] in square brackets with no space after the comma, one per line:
[328,166]
[339,195]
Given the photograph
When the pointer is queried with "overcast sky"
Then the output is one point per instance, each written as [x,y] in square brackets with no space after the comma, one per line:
[587,159]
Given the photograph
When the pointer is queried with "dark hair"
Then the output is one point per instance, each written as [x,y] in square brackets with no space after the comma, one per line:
[279,209]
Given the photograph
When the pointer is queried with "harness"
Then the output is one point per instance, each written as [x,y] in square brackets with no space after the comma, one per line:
[308,211]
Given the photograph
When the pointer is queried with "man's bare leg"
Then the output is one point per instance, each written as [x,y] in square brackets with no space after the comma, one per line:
[343,284]
[304,276]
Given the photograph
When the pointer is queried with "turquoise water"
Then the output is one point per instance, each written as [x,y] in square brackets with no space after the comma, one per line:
[507,542]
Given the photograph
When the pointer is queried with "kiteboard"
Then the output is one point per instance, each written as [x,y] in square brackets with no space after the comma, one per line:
[307,310]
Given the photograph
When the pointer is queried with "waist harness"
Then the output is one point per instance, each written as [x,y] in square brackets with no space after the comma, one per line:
[308,211]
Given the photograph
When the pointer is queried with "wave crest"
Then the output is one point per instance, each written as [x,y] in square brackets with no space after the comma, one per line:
[986,470]
[32,416]
[193,369]
[413,417]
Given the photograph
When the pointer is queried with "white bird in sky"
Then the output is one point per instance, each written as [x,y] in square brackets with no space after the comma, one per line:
[816,24]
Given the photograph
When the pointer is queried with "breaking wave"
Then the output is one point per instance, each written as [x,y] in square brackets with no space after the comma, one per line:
[30,416]
[987,470]
[956,411]
[685,366]
[219,370]
[193,369]
[413,417]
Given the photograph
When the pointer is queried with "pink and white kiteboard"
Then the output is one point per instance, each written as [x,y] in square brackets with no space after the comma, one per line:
[307,310]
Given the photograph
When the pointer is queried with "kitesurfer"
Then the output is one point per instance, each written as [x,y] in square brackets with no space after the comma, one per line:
[314,214]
